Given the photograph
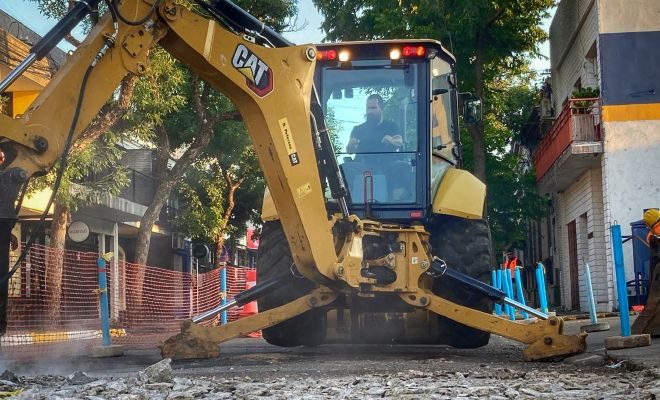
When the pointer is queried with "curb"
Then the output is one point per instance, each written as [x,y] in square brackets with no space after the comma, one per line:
[576,317]
[55,337]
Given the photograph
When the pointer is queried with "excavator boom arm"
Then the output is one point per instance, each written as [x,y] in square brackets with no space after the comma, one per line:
[272,88]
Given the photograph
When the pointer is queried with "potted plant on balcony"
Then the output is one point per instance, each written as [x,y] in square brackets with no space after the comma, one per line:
[583,107]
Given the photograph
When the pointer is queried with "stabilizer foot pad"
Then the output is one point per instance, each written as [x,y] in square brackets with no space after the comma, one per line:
[191,343]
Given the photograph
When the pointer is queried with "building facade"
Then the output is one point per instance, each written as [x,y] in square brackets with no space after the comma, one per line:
[595,140]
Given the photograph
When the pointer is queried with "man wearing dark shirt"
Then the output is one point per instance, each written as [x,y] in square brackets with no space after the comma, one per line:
[377,143]
[375,135]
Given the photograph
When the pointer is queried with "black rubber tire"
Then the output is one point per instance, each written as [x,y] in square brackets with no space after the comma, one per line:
[466,246]
[274,257]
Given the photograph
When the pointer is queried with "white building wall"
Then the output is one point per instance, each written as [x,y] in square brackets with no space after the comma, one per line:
[630,165]
[573,32]
[582,202]
[632,148]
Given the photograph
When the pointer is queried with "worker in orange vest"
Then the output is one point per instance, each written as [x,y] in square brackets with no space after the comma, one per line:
[511,262]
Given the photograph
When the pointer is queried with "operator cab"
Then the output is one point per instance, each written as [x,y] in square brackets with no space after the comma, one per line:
[392,112]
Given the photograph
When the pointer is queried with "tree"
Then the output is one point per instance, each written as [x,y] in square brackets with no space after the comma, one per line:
[512,194]
[184,113]
[486,36]
[87,156]
[75,191]
[220,196]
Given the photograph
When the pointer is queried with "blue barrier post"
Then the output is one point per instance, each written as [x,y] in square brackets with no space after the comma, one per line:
[545,292]
[622,292]
[509,292]
[103,297]
[223,293]
[493,277]
[519,291]
[106,349]
[540,282]
[590,294]
[498,276]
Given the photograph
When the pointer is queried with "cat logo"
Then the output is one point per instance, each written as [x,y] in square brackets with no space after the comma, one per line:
[258,76]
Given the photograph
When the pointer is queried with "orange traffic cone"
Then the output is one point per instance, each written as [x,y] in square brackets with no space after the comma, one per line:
[251,307]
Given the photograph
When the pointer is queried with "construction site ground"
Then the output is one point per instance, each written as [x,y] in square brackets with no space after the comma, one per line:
[251,368]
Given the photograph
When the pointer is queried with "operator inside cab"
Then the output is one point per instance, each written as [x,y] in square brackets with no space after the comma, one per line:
[377,166]
[373,117]
[392,115]
[375,135]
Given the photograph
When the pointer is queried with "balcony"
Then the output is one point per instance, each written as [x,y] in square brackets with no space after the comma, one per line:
[132,202]
[571,147]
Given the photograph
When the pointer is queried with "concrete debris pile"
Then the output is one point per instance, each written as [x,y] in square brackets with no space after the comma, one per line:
[158,382]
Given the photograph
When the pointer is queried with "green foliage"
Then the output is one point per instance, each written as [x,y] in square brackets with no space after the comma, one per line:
[91,173]
[512,194]
[276,14]
[159,95]
[586,93]
[505,32]
[201,196]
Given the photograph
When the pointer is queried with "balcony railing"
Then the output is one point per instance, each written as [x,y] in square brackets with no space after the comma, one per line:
[141,189]
[579,122]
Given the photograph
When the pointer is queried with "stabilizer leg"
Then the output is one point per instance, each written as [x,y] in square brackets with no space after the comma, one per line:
[197,341]
[544,337]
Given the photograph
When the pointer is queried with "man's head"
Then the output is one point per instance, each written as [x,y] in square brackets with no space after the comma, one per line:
[374,112]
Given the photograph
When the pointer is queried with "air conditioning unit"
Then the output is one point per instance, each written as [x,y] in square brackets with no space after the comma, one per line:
[178,240]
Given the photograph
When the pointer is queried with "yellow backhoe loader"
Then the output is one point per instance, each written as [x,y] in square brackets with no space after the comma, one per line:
[362,242]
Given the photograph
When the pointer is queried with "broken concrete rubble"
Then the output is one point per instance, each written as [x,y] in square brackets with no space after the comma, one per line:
[158,382]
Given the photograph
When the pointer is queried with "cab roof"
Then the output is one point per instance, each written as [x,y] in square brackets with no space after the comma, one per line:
[369,49]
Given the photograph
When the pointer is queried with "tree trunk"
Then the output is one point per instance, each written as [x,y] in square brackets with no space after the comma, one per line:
[55,267]
[144,237]
[220,237]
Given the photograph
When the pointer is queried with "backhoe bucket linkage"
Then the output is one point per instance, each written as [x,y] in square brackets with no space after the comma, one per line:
[544,337]
[198,341]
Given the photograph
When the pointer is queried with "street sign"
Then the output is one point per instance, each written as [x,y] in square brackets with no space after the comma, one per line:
[200,251]
[78,231]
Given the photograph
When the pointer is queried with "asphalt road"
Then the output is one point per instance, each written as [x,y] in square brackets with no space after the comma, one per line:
[256,358]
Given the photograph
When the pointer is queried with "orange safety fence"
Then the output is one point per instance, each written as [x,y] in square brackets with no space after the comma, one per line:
[43,316]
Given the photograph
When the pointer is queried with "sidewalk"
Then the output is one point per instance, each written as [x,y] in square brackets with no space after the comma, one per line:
[634,358]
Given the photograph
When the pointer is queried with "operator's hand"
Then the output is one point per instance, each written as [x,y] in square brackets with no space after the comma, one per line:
[395,140]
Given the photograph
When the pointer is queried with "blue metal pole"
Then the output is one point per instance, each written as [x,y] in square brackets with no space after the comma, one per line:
[509,292]
[103,291]
[498,276]
[540,286]
[223,293]
[502,286]
[540,282]
[622,292]
[493,277]
[545,290]
[519,291]
[590,294]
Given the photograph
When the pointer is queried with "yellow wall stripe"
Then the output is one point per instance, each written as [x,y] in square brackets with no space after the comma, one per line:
[631,112]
